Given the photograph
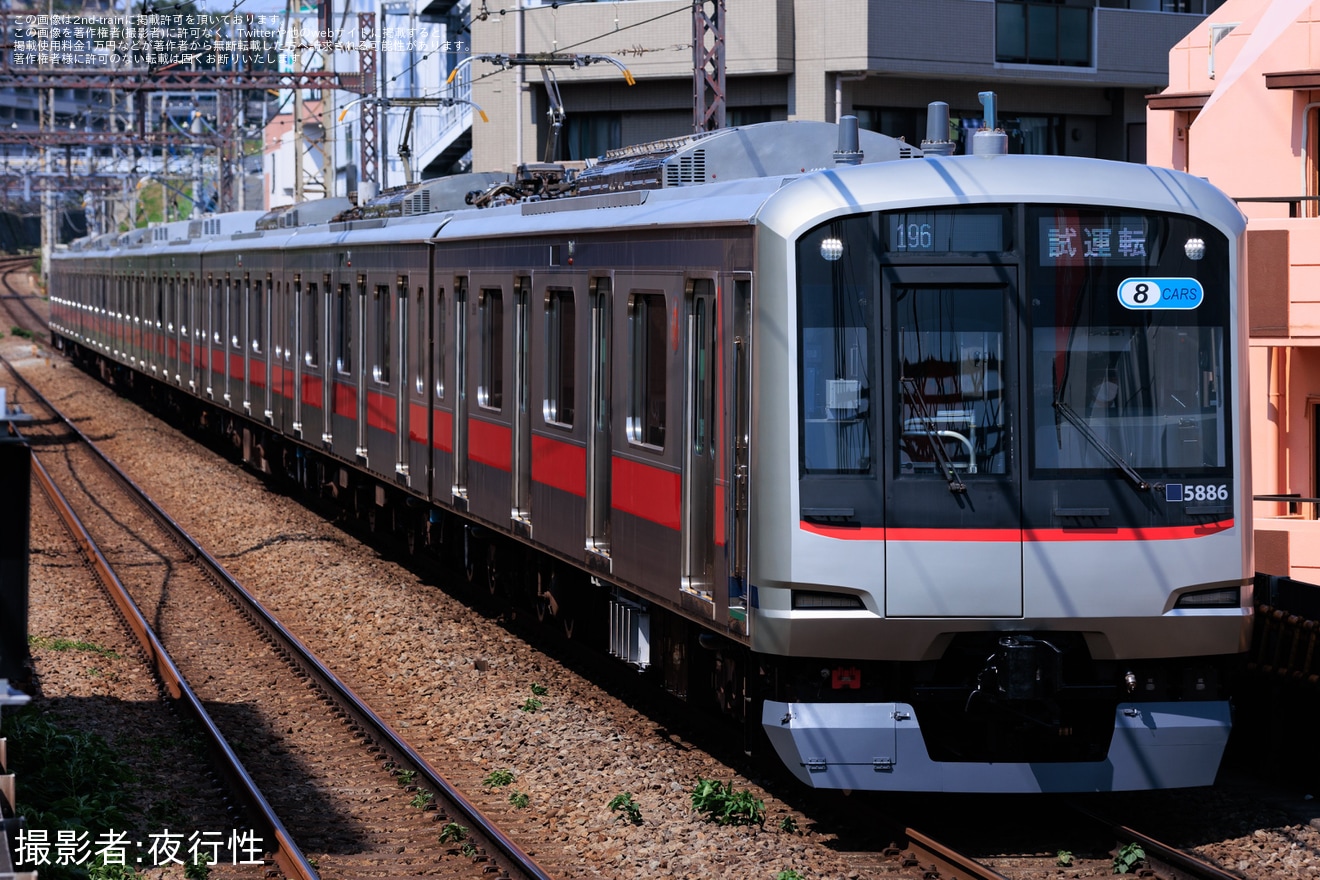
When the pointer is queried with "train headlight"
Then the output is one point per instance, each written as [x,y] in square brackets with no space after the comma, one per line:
[831,249]
[1223,597]
[1194,248]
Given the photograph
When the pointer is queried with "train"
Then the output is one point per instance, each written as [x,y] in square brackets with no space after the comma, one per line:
[930,470]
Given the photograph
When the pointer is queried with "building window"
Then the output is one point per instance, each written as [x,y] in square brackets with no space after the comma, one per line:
[588,135]
[1193,7]
[647,382]
[1042,33]
[560,357]
[490,311]
[736,116]
[1033,135]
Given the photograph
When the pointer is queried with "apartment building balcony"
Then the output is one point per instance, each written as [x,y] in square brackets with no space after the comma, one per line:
[1283,284]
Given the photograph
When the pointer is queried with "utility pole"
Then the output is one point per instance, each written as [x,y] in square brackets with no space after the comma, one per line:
[707,65]
[299,144]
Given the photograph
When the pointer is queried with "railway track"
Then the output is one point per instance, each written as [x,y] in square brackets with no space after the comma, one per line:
[961,838]
[19,303]
[326,762]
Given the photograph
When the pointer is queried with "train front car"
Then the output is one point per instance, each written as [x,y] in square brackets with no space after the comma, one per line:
[1000,534]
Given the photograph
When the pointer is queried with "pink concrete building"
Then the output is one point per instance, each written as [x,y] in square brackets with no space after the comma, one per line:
[1242,110]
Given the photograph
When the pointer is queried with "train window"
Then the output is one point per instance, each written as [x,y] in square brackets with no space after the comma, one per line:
[217,311]
[560,357]
[837,321]
[1129,339]
[236,313]
[648,381]
[380,368]
[439,356]
[950,395]
[160,302]
[701,295]
[344,330]
[490,312]
[420,352]
[312,326]
[257,315]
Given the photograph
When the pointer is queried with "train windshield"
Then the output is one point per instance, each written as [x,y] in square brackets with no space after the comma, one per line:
[1128,314]
[965,343]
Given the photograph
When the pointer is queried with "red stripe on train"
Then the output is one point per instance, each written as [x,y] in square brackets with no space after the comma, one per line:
[844,533]
[442,430]
[313,387]
[344,401]
[488,444]
[1155,533]
[985,536]
[649,492]
[382,411]
[559,465]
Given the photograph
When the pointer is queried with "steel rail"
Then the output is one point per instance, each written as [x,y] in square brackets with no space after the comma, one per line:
[938,859]
[491,844]
[287,855]
[1165,860]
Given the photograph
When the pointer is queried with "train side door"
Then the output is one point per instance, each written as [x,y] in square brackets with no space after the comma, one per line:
[459,490]
[339,431]
[739,421]
[264,343]
[281,340]
[600,441]
[417,394]
[360,343]
[522,420]
[953,508]
[247,337]
[329,368]
[215,335]
[182,336]
[310,388]
[135,327]
[699,420]
[231,345]
[196,336]
[402,424]
[293,356]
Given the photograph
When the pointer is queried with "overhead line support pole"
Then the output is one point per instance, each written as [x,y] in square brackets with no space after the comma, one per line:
[707,65]
[369,139]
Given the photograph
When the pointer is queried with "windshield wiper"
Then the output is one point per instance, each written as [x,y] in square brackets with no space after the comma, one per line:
[909,386]
[1105,449]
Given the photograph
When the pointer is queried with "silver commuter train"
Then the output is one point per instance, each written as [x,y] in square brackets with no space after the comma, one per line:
[933,465]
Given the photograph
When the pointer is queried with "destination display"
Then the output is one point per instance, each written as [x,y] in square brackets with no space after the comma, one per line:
[1119,241]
